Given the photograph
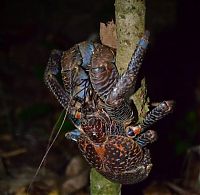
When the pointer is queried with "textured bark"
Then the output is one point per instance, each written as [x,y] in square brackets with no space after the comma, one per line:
[130,22]
[99,185]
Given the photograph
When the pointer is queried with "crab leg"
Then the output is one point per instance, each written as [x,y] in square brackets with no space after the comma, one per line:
[129,77]
[147,137]
[153,116]
[156,114]
[51,71]
[117,108]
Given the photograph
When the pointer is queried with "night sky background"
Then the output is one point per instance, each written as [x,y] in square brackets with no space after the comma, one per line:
[29,30]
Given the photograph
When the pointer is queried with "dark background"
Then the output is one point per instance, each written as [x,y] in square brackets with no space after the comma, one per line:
[29,30]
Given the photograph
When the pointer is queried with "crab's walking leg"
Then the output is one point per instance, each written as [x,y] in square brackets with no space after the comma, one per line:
[156,114]
[116,107]
[129,77]
[51,71]
[160,111]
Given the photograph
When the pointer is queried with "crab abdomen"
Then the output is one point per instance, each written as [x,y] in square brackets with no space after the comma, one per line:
[118,158]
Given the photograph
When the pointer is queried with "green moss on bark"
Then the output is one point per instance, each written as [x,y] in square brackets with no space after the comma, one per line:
[99,185]
[130,22]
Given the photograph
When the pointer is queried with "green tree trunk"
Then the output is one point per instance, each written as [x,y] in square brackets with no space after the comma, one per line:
[130,22]
[99,185]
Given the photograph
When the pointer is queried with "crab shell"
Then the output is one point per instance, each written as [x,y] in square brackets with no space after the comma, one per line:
[118,158]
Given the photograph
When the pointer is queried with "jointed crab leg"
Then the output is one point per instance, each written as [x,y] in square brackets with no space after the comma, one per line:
[51,71]
[156,114]
[143,138]
[115,106]
[128,79]
[109,86]
[147,137]
[153,116]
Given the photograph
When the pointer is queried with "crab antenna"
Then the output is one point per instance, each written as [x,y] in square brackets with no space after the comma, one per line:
[46,153]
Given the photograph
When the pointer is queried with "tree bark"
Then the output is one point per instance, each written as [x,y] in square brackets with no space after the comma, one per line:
[130,22]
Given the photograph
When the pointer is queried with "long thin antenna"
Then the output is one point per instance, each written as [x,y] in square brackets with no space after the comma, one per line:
[54,129]
[52,133]
[46,153]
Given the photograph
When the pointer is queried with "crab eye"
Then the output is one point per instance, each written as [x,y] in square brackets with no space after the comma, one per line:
[99,69]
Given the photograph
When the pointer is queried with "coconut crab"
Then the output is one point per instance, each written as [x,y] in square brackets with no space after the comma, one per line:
[94,93]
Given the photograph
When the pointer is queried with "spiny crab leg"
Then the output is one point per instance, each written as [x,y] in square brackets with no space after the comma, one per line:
[157,113]
[128,79]
[51,71]
[111,88]
[152,117]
